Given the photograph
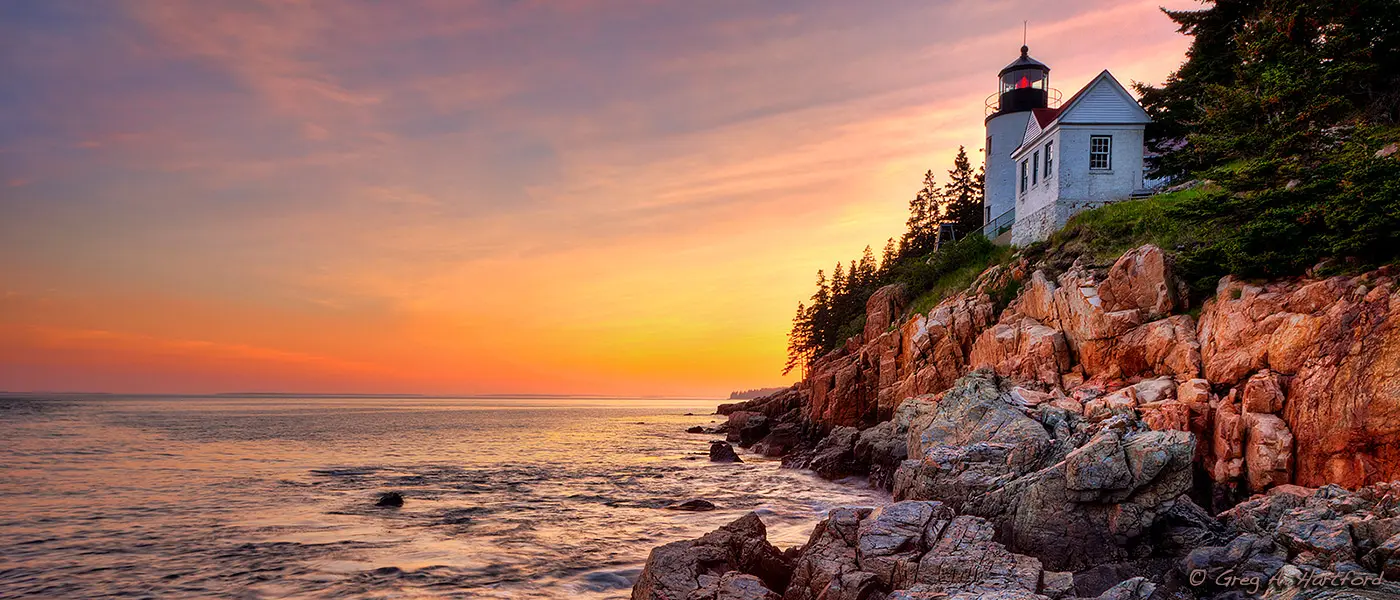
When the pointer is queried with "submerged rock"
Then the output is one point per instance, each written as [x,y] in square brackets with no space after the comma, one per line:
[695,429]
[389,499]
[723,452]
[695,505]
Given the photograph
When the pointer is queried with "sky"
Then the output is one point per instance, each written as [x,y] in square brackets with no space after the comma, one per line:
[619,197]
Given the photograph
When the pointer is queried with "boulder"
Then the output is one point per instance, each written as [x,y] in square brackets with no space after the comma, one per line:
[880,450]
[911,550]
[974,440]
[723,452]
[881,309]
[829,553]
[745,426]
[678,569]
[1263,393]
[1268,452]
[834,456]
[389,500]
[1059,487]
[734,585]
[694,505]
[780,440]
[695,429]
[1141,279]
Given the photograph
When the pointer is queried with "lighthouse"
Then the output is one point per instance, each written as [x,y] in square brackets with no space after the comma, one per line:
[1023,86]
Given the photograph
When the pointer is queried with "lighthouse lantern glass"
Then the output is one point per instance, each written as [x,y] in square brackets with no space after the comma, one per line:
[1021,79]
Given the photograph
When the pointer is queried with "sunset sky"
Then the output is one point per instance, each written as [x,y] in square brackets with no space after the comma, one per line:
[610,196]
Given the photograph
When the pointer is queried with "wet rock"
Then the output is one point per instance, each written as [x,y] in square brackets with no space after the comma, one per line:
[389,499]
[779,441]
[880,450]
[604,581]
[911,549]
[829,552]
[723,452]
[752,430]
[834,456]
[678,569]
[695,429]
[734,586]
[694,505]
[739,420]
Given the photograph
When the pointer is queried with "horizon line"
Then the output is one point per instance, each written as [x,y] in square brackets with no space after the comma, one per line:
[13,393]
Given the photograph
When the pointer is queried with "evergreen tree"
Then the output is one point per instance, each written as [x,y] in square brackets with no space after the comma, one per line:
[799,342]
[1175,107]
[887,258]
[962,196]
[925,213]
[819,314]
[865,271]
[1284,105]
[838,280]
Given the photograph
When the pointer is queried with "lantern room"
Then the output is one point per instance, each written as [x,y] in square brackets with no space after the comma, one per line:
[1025,85]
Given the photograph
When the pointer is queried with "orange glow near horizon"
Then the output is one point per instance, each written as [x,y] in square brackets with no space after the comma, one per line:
[576,197]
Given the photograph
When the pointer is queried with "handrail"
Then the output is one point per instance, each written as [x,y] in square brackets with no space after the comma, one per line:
[999,225]
[993,102]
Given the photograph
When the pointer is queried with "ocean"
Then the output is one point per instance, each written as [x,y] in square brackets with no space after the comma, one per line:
[274,497]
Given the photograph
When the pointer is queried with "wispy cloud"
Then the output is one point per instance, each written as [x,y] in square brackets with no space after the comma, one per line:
[440,195]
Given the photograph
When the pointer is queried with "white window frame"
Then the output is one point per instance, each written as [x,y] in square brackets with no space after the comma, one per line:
[1024,167]
[1106,153]
[1035,169]
[1049,158]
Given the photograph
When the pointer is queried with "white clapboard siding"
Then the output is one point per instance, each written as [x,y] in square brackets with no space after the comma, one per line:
[1104,102]
[1032,129]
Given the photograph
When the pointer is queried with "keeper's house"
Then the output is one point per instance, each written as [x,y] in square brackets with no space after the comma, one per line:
[1044,164]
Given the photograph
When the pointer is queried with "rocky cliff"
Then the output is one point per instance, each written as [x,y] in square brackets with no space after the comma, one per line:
[1294,381]
[1055,434]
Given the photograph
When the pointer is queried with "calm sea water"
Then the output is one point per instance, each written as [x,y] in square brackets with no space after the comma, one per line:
[273,497]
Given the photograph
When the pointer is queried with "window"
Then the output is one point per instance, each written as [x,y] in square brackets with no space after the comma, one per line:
[1023,177]
[1100,152]
[988,147]
[1049,158]
[1035,168]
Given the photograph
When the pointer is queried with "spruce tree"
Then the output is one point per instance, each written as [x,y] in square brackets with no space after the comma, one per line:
[925,213]
[962,196]
[799,342]
[866,269]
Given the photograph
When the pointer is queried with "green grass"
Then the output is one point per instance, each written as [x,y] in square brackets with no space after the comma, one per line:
[952,270]
[946,286]
[1107,232]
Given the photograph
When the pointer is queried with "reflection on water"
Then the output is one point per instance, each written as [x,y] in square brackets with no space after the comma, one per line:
[274,497]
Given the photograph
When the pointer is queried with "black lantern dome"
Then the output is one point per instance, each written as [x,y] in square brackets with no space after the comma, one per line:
[1024,84]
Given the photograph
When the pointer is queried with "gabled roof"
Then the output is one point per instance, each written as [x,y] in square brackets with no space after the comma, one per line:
[1075,110]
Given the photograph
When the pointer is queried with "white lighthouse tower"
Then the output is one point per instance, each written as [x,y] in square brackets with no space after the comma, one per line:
[1023,86]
